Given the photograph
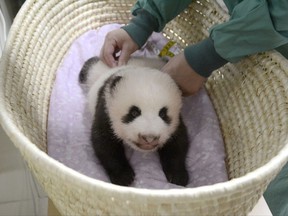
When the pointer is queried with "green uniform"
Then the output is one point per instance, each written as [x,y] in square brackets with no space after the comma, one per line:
[254,26]
[276,194]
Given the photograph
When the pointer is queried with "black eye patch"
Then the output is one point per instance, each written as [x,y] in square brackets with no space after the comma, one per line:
[164,116]
[132,114]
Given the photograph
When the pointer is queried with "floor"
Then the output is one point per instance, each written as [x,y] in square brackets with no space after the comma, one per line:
[20,195]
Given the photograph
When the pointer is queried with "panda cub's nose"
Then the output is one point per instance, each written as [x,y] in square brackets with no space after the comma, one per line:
[150,139]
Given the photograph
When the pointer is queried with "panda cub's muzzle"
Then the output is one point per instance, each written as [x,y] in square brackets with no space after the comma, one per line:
[147,142]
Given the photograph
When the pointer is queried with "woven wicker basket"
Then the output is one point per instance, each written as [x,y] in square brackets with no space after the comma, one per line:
[250,98]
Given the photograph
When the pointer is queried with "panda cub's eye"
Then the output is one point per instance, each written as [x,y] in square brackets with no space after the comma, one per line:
[132,114]
[164,116]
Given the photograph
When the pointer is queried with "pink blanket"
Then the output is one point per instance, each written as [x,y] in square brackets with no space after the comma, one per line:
[69,124]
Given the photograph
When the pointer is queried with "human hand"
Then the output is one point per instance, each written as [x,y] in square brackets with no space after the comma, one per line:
[186,78]
[116,41]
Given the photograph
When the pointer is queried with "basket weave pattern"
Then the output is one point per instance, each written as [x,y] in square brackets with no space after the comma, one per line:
[250,99]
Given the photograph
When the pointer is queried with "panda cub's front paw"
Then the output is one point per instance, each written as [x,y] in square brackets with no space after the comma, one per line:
[178,176]
[123,177]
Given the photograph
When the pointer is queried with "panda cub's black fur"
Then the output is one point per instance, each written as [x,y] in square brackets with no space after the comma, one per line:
[107,138]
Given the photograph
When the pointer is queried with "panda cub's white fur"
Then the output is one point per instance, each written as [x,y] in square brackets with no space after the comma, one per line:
[139,106]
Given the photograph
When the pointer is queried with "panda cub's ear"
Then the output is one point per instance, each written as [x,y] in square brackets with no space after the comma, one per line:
[86,67]
[113,83]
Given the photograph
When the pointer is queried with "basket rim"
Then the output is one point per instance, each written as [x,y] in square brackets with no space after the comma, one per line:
[23,143]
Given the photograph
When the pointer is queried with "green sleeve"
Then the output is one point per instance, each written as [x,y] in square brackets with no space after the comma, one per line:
[276,194]
[141,27]
[162,10]
[203,58]
[254,26]
[152,15]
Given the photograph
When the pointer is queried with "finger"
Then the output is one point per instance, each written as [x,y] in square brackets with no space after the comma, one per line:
[107,53]
[123,58]
[102,55]
[108,56]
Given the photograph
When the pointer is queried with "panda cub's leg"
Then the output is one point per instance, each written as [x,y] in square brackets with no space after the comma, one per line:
[173,156]
[108,148]
[111,154]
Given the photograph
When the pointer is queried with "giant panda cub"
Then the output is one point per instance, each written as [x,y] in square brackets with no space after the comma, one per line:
[139,106]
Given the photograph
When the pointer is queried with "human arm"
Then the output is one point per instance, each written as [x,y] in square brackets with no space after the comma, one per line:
[149,16]
[152,16]
[186,78]
[189,69]
[254,26]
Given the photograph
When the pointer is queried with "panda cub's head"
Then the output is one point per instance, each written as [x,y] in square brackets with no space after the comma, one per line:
[143,106]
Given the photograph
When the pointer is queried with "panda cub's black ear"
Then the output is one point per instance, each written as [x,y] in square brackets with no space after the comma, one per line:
[85,69]
[113,82]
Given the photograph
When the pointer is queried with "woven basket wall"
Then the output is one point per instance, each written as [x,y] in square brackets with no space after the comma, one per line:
[250,98]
